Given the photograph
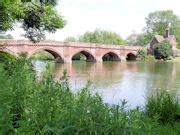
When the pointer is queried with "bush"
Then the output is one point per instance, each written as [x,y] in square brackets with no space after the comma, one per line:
[4,57]
[163,50]
[162,106]
[142,54]
[150,58]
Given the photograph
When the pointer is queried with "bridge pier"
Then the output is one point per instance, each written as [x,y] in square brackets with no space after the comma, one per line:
[99,59]
[123,58]
[67,60]
[59,60]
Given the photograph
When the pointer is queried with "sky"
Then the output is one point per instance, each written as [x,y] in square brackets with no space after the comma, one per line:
[120,16]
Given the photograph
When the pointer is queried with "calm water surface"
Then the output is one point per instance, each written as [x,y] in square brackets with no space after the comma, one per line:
[116,81]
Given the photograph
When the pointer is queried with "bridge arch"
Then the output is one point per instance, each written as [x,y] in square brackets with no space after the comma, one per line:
[57,56]
[131,56]
[110,56]
[89,56]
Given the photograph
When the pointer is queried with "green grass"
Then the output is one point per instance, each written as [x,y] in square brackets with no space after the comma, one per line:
[163,106]
[31,106]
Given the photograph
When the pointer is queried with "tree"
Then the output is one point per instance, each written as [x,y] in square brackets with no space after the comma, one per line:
[158,21]
[138,39]
[36,17]
[163,50]
[8,36]
[70,39]
[102,36]
[142,54]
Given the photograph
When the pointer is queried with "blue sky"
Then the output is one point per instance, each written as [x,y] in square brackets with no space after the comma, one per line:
[120,16]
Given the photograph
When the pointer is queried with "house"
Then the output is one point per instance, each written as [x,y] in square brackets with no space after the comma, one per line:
[159,38]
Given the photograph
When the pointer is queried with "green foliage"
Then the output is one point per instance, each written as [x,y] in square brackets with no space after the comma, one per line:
[6,57]
[163,50]
[142,55]
[8,36]
[178,46]
[150,58]
[13,100]
[9,11]
[158,21]
[139,39]
[42,55]
[177,32]
[98,36]
[79,56]
[101,36]
[70,39]
[32,106]
[163,107]
[36,17]
[39,19]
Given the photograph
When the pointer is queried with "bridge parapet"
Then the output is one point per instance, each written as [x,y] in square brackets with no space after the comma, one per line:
[9,42]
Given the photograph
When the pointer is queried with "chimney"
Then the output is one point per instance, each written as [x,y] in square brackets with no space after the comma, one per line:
[167,33]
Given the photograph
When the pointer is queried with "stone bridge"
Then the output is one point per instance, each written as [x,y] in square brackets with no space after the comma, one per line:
[64,51]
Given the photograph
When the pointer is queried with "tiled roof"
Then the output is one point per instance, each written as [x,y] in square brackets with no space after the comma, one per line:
[159,38]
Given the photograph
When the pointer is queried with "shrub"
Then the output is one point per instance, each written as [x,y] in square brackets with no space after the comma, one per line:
[15,87]
[163,50]
[150,58]
[4,57]
[142,54]
[163,106]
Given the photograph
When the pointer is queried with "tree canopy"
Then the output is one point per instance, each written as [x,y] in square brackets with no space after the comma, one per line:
[70,39]
[136,39]
[4,36]
[102,36]
[163,50]
[36,17]
[99,36]
[158,21]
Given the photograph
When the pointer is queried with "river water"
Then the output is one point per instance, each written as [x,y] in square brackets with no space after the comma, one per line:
[115,81]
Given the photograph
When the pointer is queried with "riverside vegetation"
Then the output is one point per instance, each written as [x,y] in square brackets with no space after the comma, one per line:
[43,106]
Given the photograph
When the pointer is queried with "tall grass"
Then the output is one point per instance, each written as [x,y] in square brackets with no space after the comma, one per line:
[163,106]
[32,106]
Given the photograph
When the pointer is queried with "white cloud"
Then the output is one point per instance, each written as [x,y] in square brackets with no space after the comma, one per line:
[121,16]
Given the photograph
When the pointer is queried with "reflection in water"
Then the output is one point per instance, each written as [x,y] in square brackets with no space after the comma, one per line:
[116,81]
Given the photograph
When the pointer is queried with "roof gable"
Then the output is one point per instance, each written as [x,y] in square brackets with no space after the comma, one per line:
[159,38]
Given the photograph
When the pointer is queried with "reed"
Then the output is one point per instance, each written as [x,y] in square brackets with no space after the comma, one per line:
[163,106]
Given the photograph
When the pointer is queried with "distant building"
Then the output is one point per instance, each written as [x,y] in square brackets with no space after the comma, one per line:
[159,38]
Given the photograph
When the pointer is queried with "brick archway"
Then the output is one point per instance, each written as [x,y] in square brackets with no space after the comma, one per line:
[89,56]
[64,51]
[110,56]
[131,56]
[57,56]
